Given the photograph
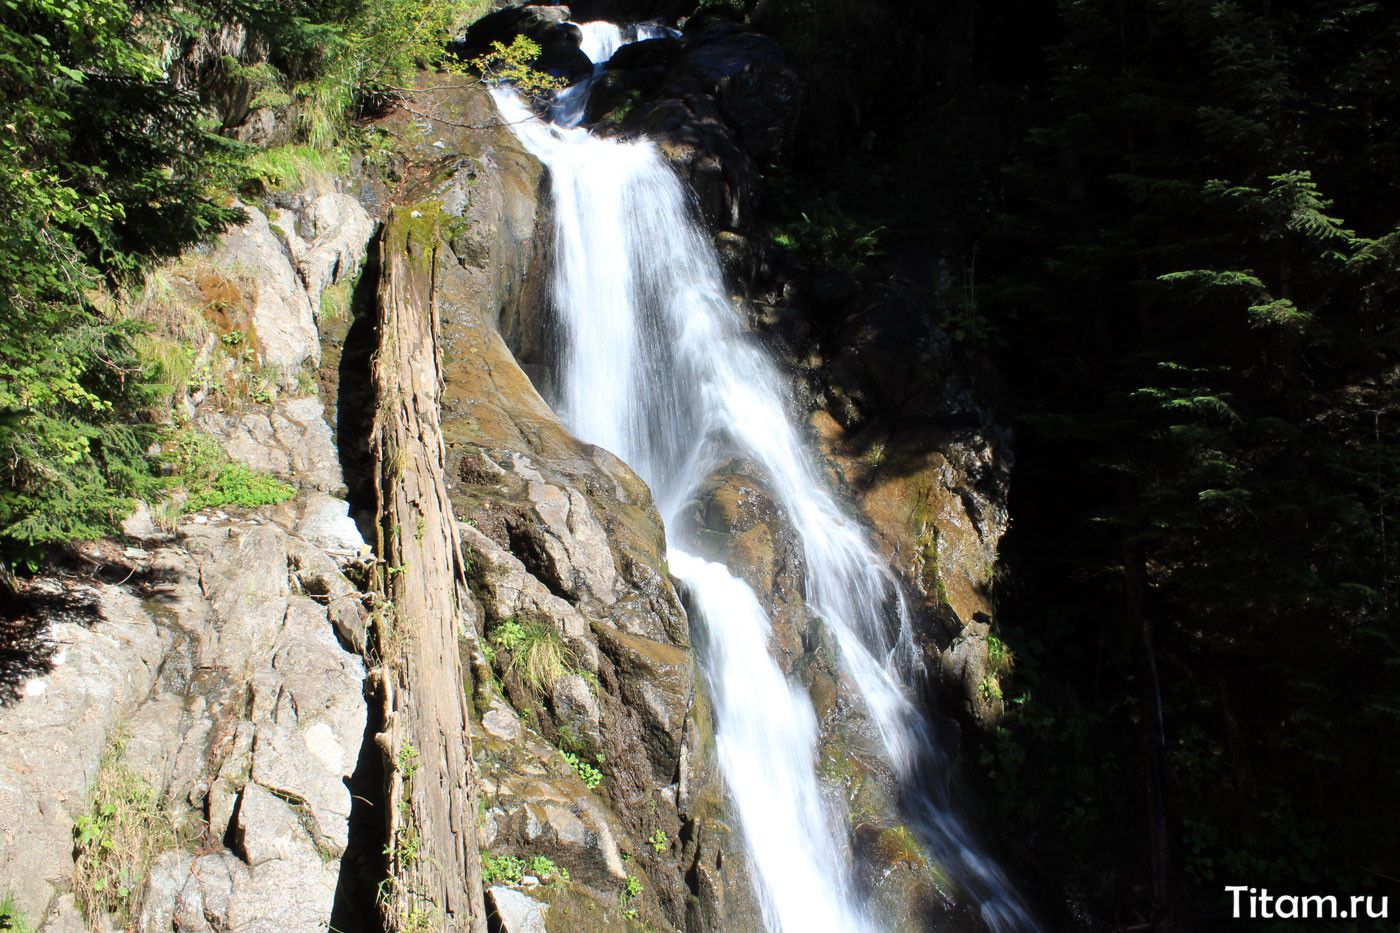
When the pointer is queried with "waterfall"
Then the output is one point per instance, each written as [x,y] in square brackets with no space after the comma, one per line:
[657,368]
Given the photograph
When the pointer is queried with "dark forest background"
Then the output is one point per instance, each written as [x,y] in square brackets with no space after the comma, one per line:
[1171,225]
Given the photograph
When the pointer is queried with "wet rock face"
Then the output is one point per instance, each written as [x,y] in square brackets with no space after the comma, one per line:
[734,521]
[718,102]
[905,428]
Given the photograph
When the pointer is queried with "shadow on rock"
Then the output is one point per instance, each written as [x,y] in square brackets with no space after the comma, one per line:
[25,651]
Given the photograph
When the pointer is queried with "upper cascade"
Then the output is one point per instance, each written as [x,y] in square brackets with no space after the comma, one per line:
[600,40]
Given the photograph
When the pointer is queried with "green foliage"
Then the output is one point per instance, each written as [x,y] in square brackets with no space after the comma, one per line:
[211,480]
[294,166]
[408,762]
[1196,244]
[501,869]
[631,888]
[658,840]
[545,869]
[830,238]
[104,164]
[116,839]
[508,635]
[999,656]
[11,919]
[537,653]
[590,775]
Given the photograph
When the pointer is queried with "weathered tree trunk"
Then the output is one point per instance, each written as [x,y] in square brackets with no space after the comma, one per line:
[434,861]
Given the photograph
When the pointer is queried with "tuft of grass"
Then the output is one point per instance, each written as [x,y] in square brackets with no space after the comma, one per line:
[537,652]
[124,828]
[173,365]
[293,167]
[166,514]
[335,301]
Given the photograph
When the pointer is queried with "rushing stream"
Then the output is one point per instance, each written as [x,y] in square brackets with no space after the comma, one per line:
[656,367]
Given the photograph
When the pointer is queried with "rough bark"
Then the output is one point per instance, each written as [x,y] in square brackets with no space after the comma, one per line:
[434,859]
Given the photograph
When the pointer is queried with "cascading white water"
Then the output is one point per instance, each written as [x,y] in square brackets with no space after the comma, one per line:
[600,41]
[657,368]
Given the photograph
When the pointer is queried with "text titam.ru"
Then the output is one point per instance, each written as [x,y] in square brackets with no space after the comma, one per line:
[1259,904]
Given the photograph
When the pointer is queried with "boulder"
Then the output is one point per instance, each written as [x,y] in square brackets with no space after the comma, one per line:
[727,102]
[516,912]
[339,229]
[646,54]
[759,94]
[283,319]
[532,20]
[288,439]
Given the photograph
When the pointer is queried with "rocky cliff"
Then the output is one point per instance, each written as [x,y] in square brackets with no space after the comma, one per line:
[225,665]
[258,681]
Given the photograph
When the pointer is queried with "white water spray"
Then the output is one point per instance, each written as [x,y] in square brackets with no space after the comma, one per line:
[657,368]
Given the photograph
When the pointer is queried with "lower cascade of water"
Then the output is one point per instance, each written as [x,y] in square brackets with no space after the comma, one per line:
[656,367]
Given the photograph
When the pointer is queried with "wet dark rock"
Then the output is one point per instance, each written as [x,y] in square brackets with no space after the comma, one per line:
[532,20]
[648,53]
[616,93]
[727,101]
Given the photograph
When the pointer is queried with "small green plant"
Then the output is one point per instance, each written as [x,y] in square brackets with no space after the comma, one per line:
[990,688]
[631,888]
[407,845]
[408,761]
[508,634]
[238,485]
[830,238]
[590,775]
[537,652]
[212,480]
[11,920]
[658,840]
[999,656]
[501,869]
[116,839]
[420,920]
[545,869]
